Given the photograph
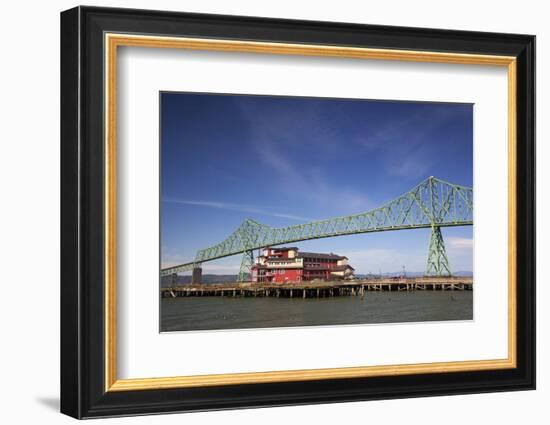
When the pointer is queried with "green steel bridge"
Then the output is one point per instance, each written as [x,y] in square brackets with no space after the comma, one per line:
[433,203]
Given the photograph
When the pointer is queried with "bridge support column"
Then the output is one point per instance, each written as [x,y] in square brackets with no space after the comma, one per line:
[196,277]
[438,263]
[246,264]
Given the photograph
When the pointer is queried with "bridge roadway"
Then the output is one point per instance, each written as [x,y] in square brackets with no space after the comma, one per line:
[319,289]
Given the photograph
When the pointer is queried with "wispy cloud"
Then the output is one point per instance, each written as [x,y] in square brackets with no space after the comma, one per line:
[385,260]
[403,142]
[238,207]
[459,243]
[460,251]
[414,258]
[282,154]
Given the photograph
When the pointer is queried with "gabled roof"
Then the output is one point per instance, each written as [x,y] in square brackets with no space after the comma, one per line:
[330,269]
[321,256]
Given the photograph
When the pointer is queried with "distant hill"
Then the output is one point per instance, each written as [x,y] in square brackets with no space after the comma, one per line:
[166,281]
[464,273]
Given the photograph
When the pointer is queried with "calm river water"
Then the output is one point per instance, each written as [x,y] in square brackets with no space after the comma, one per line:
[208,313]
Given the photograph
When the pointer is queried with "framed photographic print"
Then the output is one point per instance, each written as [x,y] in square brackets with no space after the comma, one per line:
[261,212]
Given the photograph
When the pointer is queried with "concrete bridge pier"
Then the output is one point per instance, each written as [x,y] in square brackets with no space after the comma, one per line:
[196,277]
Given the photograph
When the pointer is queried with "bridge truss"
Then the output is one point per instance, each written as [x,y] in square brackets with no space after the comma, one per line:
[433,203]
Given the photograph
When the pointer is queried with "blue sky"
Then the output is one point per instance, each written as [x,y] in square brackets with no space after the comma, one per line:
[290,160]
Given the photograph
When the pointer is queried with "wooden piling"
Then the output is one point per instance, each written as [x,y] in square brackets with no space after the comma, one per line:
[320,289]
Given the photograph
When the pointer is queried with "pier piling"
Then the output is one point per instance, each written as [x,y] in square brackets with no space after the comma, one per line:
[320,289]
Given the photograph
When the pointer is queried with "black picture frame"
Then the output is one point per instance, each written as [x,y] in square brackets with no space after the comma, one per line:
[83,392]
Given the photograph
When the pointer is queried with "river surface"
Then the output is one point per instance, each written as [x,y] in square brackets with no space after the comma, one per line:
[210,313]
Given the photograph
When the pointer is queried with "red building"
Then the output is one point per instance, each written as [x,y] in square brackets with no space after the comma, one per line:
[288,264]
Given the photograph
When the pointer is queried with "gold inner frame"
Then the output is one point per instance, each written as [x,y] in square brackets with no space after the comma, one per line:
[113,41]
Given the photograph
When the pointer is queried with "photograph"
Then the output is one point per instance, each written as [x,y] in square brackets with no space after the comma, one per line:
[290,211]
[263,210]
